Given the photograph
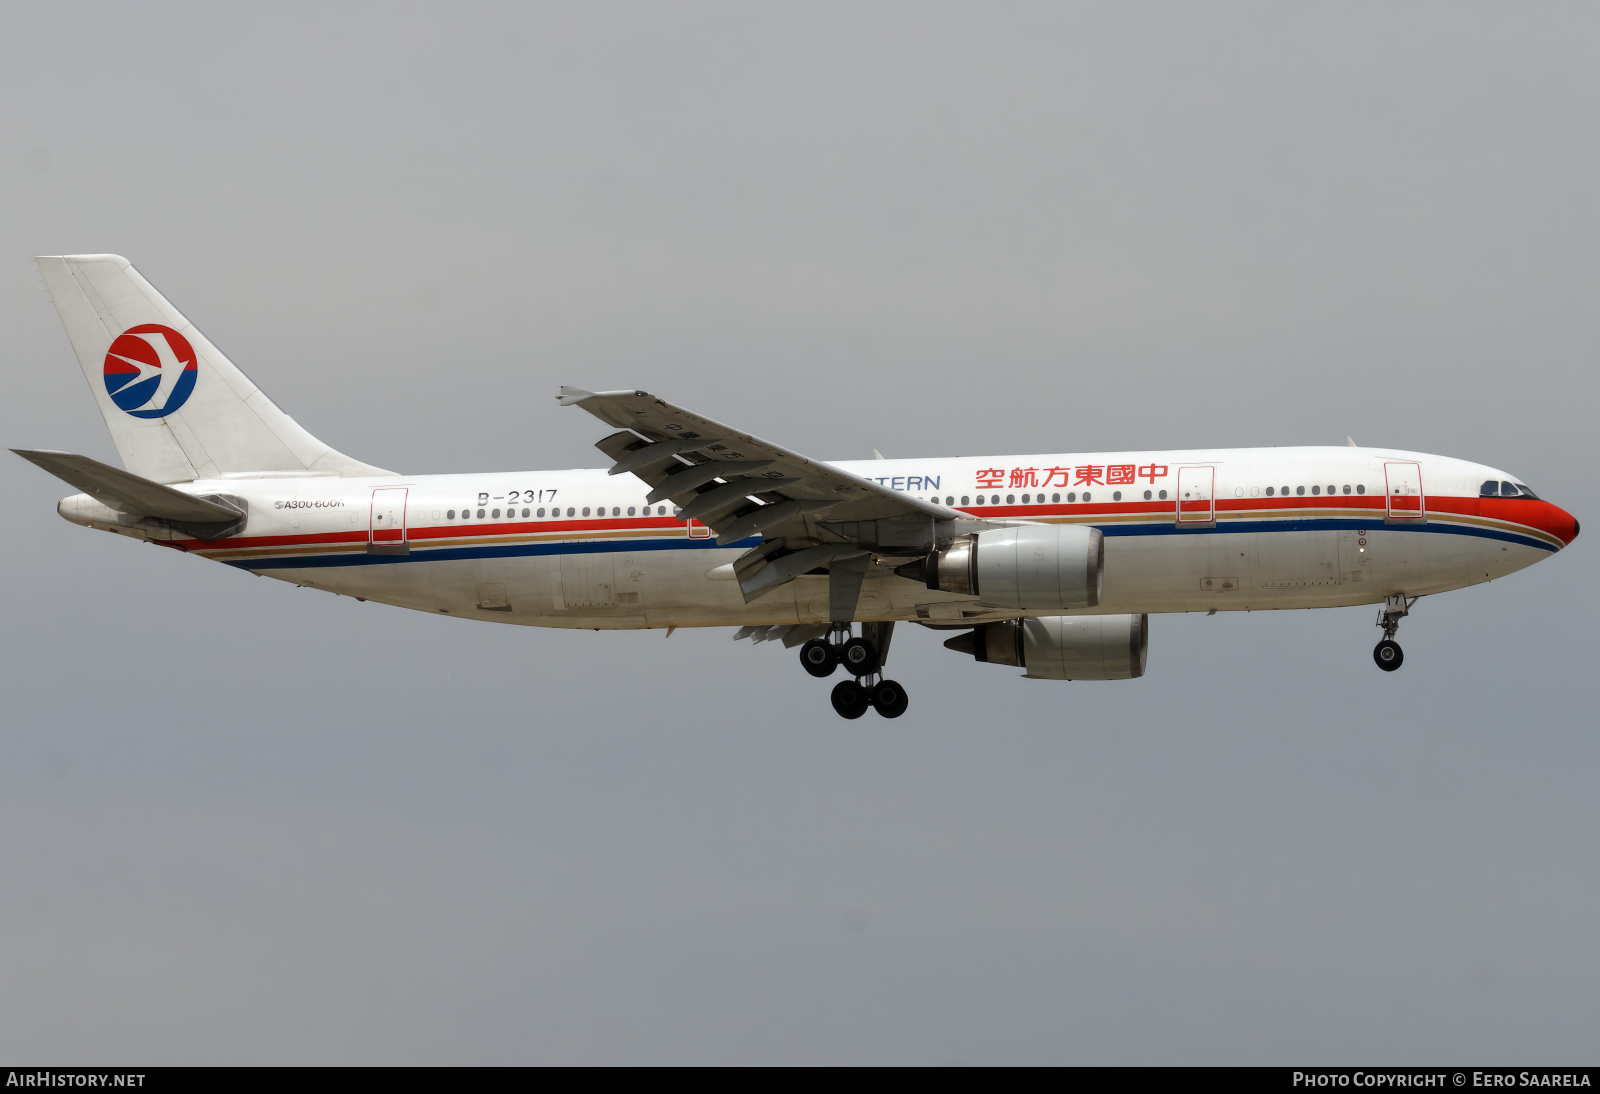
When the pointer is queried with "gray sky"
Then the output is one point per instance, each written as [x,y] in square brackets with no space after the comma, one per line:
[243,822]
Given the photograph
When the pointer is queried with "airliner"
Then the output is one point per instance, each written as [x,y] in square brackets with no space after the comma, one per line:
[1047,562]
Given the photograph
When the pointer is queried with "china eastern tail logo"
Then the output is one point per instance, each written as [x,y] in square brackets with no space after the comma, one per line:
[150,370]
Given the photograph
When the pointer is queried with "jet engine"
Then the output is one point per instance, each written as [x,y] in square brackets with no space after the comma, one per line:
[1062,647]
[1030,567]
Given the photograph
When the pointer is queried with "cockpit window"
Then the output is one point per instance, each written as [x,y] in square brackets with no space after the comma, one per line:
[1508,489]
[1526,492]
[1490,489]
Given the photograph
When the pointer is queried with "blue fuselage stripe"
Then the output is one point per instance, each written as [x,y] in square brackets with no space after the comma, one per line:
[1323,524]
[487,550]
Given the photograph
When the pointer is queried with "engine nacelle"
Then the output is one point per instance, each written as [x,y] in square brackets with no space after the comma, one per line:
[1063,647]
[1033,567]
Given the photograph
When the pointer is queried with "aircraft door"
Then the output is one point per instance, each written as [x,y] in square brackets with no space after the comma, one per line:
[386,532]
[1403,487]
[1197,495]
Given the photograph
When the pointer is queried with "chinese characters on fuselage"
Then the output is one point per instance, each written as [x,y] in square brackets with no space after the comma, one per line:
[1115,474]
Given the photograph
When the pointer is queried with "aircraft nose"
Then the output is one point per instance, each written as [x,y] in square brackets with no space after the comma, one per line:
[1566,525]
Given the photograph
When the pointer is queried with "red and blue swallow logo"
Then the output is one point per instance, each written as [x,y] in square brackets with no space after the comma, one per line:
[150,370]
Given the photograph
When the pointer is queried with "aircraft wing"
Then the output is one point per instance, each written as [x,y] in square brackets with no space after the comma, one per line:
[741,485]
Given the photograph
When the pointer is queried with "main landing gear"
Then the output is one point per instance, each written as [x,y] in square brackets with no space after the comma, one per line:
[1387,653]
[851,698]
[862,659]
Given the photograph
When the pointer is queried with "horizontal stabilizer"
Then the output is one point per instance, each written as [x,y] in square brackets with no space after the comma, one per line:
[128,492]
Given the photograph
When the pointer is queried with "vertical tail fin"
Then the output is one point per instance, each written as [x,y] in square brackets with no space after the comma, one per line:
[177,408]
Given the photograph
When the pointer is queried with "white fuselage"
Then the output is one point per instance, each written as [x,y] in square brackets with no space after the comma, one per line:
[1238,529]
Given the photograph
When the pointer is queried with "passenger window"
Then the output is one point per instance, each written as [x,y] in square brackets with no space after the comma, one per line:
[451,515]
[1299,490]
[569,510]
[1332,490]
[1086,495]
[1284,491]
[1147,495]
[1072,497]
[1316,489]
[585,510]
[480,514]
[1055,499]
[541,512]
[994,499]
[1117,496]
[496,513]
[1269,491]
[980,499]
[631,508]
[1163,495]
[1011,499]
[1346,488]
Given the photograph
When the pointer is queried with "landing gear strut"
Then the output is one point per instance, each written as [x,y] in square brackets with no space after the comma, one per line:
[863,659]
[1387,654]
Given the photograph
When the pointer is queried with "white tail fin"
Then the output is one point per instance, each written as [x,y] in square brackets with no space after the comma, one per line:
[176,407]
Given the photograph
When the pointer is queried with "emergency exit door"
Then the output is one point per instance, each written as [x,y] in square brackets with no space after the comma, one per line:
[386,532]
[1196,495]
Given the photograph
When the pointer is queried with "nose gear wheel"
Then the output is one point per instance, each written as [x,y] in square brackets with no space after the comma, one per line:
[1388,655]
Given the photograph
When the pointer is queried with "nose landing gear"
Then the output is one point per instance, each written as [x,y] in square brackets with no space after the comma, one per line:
[1387,654]
[863,658]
